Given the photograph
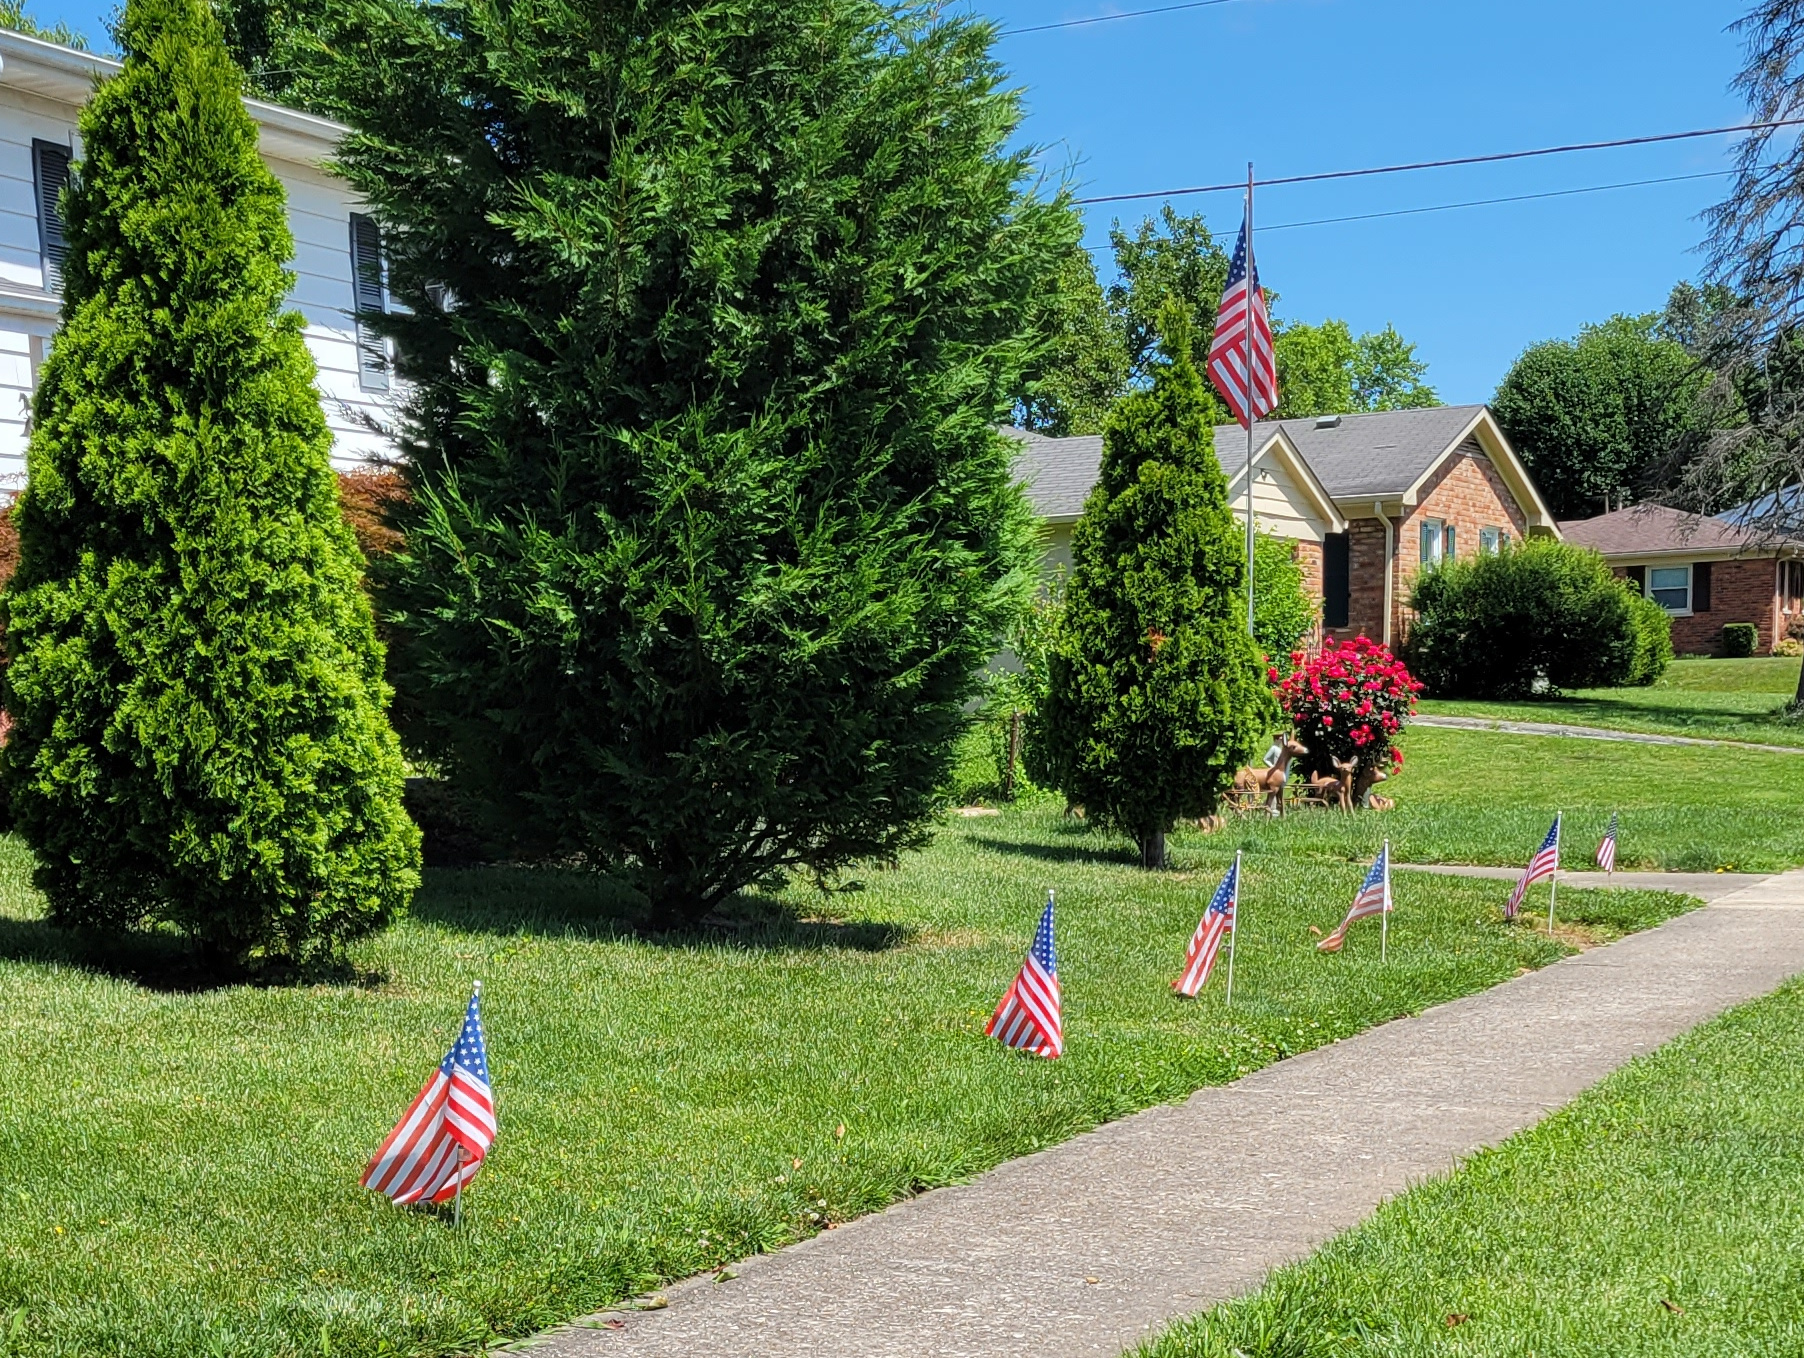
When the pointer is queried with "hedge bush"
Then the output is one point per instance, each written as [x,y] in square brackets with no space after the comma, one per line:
[1535,618]
[1283,612]
[1653,640]
[193,675]
[1740,639]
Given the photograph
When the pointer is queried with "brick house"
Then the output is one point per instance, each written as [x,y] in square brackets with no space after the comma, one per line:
[1705,572]
[1368,499]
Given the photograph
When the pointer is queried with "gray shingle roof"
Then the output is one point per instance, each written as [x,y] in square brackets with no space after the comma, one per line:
[1376,455]
[1643,530]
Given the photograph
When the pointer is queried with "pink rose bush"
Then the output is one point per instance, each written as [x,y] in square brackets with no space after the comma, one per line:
[1350,702]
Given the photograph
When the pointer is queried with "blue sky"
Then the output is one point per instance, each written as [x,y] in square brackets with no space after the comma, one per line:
[1306,85]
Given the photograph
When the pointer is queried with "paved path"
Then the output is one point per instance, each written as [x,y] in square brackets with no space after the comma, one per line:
[1706,886]
[1093,1245]
[1551,728]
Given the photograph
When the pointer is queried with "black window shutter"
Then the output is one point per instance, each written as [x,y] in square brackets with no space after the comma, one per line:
[366,287]
[1700,587]
[1639,575]
[50,172]
[1336,579]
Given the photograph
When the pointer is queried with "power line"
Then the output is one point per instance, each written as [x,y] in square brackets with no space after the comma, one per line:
[1444,164]
[1481,202]
[1110,18]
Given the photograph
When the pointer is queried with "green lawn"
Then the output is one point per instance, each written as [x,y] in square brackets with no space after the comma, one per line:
[1660,1216]
[180,1166]
[1715,699]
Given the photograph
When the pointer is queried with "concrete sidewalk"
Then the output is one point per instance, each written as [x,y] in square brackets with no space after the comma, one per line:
[1554,728]
[1706,886]
[1094,1245]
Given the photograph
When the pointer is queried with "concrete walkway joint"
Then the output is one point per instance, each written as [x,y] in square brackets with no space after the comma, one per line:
[1094,1245]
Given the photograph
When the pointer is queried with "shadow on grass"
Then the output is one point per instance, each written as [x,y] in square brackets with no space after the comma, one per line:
[159,962]
[1116,853]
[562,903]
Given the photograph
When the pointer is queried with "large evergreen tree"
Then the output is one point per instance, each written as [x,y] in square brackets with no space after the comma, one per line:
[713,531]
[1156,691]
[194,680]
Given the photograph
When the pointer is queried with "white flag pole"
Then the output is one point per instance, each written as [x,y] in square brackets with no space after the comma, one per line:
[457,1195]
[1234,929]
[1384,915]
[1247,340]
[1553,884]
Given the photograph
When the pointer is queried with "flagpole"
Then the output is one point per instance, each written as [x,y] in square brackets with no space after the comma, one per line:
[457,1195]
[1234,929]
[1553,884]
[1384,916]
[1247,337]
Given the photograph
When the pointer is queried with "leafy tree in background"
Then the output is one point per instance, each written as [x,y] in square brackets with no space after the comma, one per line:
[193,677]
[711,530]
[1177,259]
[1083,366]
[1594,417]
[1324,370]
[1155,694]
[1283,612]
[15,16]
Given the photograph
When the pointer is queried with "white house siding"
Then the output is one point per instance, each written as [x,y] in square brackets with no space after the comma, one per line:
[319,211]
[1279,503]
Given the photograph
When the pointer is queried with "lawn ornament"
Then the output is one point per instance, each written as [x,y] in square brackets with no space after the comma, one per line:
[1251,786]
[1368,779]
[1331,789]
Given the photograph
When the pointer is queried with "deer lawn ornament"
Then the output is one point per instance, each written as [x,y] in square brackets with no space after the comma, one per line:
[1252,784]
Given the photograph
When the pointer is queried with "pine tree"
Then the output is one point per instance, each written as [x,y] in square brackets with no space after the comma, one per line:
[194,679]
[715,308]
[1156,691]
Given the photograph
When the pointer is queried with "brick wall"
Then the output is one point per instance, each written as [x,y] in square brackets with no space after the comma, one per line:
[1365,573]
[1740,591]
[1308,556]
[1467,493]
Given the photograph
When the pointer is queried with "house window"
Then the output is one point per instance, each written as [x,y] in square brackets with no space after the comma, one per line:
[1491,540]
[1447,544]
[50,175]
[1431,542]
[1670,587]
[1337,579]
[369,299]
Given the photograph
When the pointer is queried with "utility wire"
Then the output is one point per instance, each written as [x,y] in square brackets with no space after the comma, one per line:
[1479,202]
[1458,160]
[1110,18]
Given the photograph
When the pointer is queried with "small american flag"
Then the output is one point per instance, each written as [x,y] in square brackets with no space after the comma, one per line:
[1248,395]
[1543,865]
[1374,898]
[439,1143]
[1028,1016]
[1606,852]
[1217,920]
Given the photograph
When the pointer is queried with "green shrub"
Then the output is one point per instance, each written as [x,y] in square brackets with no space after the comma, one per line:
[1283,613]
[1155,690]
[1537,617]
[710,532]
[1653,640]
[194,681]
[1740,639]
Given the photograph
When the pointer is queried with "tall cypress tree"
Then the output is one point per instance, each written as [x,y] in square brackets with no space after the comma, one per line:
[1157,693]
[194,679]
[715,306]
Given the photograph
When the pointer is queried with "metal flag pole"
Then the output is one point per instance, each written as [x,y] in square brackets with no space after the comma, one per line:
[1234,929]
[457,1194]
[1247,380]
[1384,915]
[1553,883]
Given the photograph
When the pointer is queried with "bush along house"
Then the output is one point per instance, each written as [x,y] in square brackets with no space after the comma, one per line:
[1707,573]
[337,265]
[1369,500]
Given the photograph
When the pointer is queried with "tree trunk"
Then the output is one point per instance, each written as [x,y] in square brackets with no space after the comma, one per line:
[1798,698]
[1152,850]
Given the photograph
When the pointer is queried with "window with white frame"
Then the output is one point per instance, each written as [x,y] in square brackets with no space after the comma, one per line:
[1670,587]
[1491,540]
[1431,542]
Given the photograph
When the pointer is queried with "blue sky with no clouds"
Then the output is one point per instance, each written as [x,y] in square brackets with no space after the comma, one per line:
[1306,85]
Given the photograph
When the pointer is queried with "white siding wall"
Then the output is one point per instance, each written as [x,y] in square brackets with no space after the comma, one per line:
[319,209]
[1279,504]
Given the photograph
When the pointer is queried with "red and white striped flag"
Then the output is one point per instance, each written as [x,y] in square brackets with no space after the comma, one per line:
[1250,391]
[1374,898]
[1606,851]
[1029,1015]
[1217,922]
[439,1143]
[1543,865]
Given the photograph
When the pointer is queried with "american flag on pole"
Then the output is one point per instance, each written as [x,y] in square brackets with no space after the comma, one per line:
[1248,394]
[1214,926]
[1029,1016]
[1543,865]
[1374,898]
[1606,852]
[439,1143]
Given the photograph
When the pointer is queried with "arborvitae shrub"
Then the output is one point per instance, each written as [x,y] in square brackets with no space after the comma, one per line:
[713,310]
[1653,640]
[1156,693]
[194,680]
[1535,618]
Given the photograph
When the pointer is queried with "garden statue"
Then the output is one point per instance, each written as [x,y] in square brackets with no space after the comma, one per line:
[1268,782]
